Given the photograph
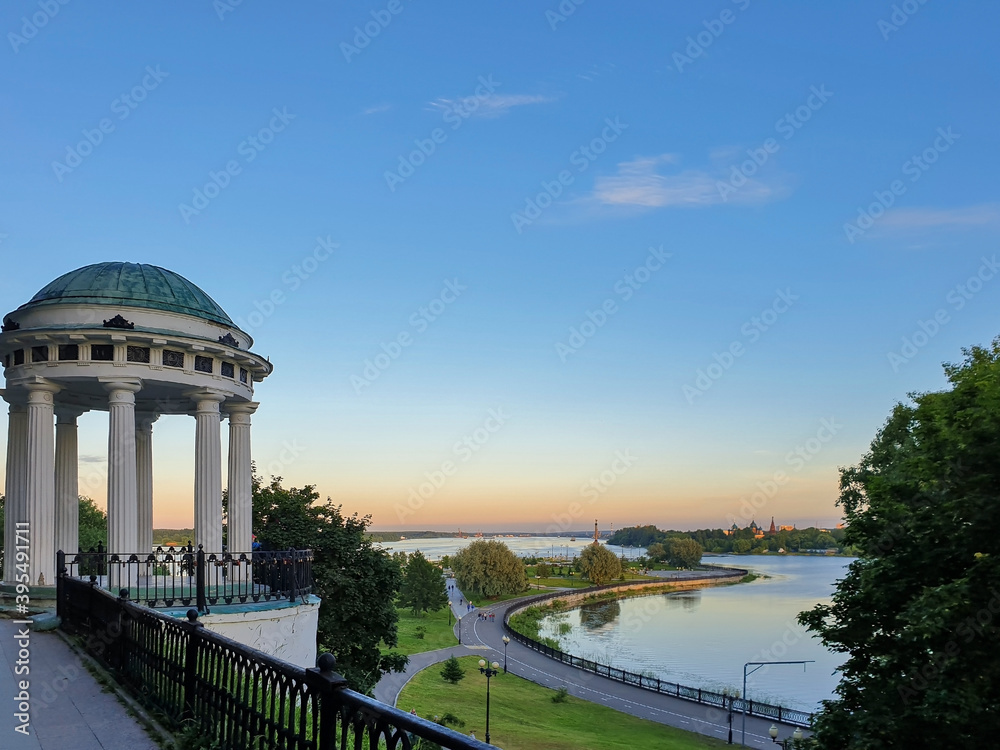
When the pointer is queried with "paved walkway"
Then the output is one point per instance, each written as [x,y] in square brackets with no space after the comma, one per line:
[69,710]
[483,638]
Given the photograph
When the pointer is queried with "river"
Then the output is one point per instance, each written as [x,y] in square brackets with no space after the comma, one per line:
[700,638]
[703,638]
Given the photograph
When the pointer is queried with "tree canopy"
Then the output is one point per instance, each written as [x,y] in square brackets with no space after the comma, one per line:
[916,613]
[423,586]
[489,568]
[357,581]
[599,564]
[684,553]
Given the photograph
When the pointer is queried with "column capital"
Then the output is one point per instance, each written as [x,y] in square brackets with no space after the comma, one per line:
[39,390]
[121,386]
[68,414]
[240,411]
[206,400]
[144,420]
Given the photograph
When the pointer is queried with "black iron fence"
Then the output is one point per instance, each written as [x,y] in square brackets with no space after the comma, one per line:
[186,577]
[230,694]
[790,716]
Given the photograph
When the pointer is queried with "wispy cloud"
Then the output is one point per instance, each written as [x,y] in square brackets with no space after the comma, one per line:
[89,459]
[494,105]
[983,214]
[376,109]
[642,182]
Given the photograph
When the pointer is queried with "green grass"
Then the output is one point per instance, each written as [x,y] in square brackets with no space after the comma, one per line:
[562,583]
[486,603]
[523,716]
[438,633]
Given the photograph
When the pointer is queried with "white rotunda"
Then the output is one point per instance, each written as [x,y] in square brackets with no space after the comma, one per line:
[137,341]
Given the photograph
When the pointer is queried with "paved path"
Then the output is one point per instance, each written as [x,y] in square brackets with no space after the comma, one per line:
[69,709]
[483,638]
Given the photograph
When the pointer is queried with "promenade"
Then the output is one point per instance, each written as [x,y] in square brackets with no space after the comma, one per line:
[483,638]
[69,709]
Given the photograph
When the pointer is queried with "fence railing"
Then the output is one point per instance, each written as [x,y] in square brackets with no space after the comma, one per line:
[188,577]
[790,716]
[230,694]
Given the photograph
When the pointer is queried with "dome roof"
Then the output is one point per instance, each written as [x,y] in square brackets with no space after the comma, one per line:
[131,285]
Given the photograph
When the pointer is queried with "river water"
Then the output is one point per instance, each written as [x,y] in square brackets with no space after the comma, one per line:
[700,638]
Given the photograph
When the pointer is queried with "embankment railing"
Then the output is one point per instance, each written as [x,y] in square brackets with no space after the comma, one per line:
[699,695]
[230,695]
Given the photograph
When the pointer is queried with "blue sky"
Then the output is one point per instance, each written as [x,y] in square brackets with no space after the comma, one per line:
[804,185]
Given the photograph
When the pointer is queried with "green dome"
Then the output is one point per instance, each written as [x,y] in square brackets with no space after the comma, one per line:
[131,285]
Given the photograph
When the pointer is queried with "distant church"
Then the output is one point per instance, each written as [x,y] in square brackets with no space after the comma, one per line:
[758,531]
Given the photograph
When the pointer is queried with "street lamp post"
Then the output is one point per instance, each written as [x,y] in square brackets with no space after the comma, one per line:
[459,631]
[506,640]
[757,665]
[490,670]
[773,731]
[729,696]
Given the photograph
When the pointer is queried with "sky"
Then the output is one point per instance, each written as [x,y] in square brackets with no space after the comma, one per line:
[524,265]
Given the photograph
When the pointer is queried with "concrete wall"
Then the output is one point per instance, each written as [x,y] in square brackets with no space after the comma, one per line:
[287,632]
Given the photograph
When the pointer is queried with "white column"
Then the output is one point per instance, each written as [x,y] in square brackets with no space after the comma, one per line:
[240,478]
[144,479]
[208,471]
[123,506]
[17,466]
[40,490]
[67,480]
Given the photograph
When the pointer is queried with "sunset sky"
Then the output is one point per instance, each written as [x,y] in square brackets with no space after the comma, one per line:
[635,262]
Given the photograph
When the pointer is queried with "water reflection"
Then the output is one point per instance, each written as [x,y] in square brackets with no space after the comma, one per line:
[599,614]
[688,600]
[702,638]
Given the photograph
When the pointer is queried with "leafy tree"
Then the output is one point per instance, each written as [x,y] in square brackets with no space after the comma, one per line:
[452,671]
[543,570]
[657,552]
[599,564]
[93,525]
[489,568]
[741,546]
[916,613]
[356,581]
[684,553]
[423,586]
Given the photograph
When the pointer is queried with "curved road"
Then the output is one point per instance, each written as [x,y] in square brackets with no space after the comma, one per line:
[483,638]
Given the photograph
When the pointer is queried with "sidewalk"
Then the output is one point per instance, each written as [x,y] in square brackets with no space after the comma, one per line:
[69,709]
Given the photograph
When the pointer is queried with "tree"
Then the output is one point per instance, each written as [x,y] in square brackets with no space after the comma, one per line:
[488,568]
[599,564]
[916,613]
[543,570]
[657,552]
[684,553]
[423,586]
[93,525]
[356,581]
[452,671]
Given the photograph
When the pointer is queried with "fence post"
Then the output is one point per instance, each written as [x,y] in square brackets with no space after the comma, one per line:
[293,592]
[200,580]
[191,649]
[60,589]
[326,682]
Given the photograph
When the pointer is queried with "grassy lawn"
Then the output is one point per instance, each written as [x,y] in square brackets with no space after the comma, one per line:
[523,716]
[438,633]
[484,603]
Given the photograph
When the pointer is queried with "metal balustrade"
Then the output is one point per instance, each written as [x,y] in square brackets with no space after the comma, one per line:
[231,694]
[185,577]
